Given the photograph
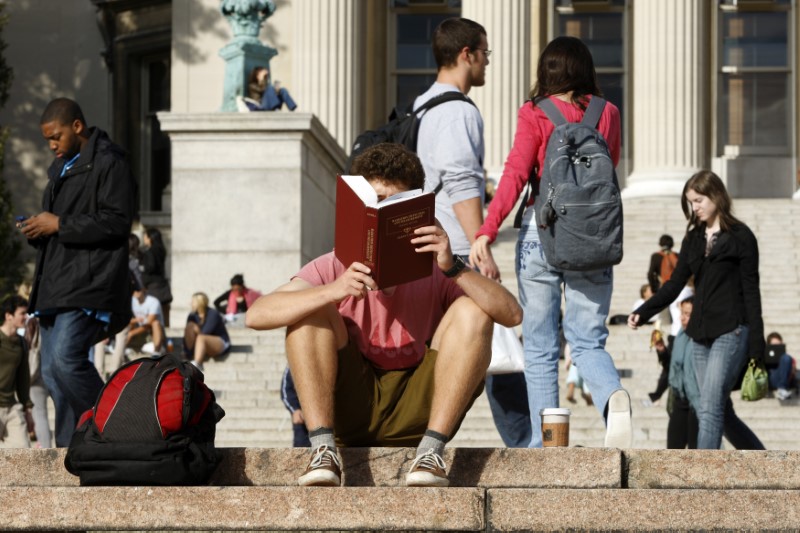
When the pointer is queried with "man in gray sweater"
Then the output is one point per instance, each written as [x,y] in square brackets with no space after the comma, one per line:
[15,401]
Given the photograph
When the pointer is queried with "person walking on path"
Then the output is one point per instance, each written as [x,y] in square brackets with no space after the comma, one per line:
[81,288]
[566,76]
[451,148]
[16,421]
[725,325]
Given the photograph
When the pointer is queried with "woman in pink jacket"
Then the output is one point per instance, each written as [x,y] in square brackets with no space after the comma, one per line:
[567,77]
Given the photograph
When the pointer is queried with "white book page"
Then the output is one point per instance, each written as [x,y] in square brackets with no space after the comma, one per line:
[367,194]
[363,189]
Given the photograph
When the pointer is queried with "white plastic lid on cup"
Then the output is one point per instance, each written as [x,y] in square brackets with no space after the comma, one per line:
[557,411]
[555,415]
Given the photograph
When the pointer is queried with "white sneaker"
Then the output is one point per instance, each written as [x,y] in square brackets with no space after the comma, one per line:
[783,394]
[619,432]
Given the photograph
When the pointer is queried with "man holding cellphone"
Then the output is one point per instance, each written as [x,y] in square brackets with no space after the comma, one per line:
[81,290]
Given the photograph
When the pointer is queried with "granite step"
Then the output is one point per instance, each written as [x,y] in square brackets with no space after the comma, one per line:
[492,490]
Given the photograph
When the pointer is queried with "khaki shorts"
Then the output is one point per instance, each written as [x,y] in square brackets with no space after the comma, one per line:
[375,407]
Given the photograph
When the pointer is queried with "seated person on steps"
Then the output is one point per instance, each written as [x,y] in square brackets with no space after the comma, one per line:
[386,366]
[205,336]
[147,322]
[237,300]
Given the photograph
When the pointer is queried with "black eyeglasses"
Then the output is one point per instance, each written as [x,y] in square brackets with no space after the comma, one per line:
[487,53]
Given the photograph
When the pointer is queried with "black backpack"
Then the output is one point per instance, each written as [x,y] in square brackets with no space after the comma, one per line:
[402,127]
[153,424]
[579,207]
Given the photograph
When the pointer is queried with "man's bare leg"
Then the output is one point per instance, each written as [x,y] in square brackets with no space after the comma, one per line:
[311,348]
[463,341]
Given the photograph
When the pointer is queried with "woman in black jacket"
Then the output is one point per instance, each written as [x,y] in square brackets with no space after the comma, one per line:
[153,266]
[726,325]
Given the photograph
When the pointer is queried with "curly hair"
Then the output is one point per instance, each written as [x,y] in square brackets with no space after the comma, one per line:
[390,163]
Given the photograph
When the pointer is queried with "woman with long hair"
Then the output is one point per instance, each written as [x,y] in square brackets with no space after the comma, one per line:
[725,326]
[205,335]
[268,95]
[153,266]
[566,77]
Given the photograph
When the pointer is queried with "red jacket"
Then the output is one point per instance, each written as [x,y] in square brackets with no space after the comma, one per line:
[250,296]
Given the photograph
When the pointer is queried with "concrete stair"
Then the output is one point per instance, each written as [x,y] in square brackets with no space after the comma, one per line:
[491,490]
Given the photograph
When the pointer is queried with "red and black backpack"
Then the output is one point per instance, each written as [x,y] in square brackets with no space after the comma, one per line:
[153,423]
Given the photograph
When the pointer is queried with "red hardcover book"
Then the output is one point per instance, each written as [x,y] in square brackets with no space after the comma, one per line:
[378,234]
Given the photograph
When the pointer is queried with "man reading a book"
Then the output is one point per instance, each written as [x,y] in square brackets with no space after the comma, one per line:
[396,366]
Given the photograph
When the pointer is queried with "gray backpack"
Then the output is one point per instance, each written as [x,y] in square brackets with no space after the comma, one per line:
[578,209]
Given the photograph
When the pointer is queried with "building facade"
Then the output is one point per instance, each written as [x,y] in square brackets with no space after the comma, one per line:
[700,83]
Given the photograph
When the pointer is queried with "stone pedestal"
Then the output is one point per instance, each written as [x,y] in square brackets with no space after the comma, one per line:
[252,193]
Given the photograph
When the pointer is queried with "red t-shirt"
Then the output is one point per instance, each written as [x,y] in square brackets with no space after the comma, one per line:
[530,144]
[390,331]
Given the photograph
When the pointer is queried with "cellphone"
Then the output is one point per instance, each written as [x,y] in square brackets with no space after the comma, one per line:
[21,218]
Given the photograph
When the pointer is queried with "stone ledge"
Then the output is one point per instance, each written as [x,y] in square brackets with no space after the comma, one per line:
[241,508]
[381,467]
[712,469]
[642,510]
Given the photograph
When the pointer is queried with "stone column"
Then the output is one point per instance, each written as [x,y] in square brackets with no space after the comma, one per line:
[328,44]
[668,125]
[508,76]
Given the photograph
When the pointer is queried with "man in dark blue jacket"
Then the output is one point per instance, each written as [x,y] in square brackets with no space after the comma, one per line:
[80,291]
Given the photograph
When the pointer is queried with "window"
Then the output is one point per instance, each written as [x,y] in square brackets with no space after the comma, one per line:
[755,78]
[155,154]
[412,65]
[601,25]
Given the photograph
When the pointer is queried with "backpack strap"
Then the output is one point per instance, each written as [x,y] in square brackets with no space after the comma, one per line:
[594,111]
[448,96]
[553,113]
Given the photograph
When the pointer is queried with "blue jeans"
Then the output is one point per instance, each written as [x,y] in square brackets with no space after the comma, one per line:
[273,100]
[781,376]
[588,297]
[70,377]
[718,365]
[508,400]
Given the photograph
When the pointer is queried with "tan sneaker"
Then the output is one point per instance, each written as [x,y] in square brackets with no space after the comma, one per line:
[427,470]
[324,469]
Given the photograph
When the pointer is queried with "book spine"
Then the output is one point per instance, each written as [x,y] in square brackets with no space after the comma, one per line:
[371,240]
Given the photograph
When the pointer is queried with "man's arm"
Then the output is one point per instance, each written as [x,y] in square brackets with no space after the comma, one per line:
[289,303]
[138,326]
[115,208]
[494,299]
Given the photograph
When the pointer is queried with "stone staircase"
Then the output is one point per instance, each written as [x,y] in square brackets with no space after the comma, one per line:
[564,489]
[248,382]
[584,487]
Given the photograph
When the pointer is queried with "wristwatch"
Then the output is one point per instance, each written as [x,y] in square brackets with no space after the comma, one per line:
[458,266]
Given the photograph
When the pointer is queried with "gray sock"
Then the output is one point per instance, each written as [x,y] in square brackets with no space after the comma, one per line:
[432,440]
[322,436]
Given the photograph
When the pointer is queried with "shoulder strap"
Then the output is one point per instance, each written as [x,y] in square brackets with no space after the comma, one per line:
[553,113]
[442,98]
[594,111]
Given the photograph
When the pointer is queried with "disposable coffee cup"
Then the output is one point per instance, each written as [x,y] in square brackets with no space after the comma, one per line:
[555,427]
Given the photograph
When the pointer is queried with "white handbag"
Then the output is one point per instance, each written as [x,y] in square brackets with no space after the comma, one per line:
[507,354]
